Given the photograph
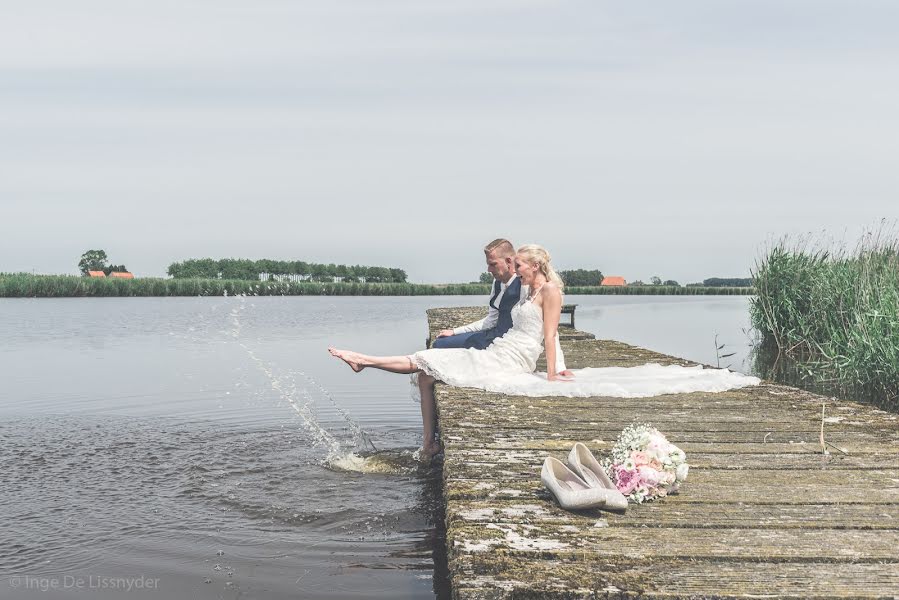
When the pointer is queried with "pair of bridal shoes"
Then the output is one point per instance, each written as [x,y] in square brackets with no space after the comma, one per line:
[583,485]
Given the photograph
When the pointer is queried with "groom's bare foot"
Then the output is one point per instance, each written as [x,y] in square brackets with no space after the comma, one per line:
[354,359]
[428,452]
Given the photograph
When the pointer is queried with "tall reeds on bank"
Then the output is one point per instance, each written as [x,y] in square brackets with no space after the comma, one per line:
[24,285]
[834,311]
[67,286]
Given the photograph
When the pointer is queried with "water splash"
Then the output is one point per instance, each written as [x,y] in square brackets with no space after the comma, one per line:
[392,462]
[303,403]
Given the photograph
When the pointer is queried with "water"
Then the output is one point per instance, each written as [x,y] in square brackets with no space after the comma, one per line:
[210,447]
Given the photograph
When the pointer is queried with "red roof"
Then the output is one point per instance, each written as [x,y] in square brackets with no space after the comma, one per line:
[614,280]
[96,273]
[122,274]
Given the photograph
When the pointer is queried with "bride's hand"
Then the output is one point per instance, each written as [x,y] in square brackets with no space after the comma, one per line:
[563,376]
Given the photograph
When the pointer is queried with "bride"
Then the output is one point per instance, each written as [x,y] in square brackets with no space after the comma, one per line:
[508,364]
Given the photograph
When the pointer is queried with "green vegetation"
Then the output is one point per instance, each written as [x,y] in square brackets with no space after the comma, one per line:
[581,277]
[296,271]
[95,260]
[835,313]
[23,285]
[658,290]
[723,282]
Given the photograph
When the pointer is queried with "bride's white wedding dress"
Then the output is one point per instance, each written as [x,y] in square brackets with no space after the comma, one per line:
[508,364]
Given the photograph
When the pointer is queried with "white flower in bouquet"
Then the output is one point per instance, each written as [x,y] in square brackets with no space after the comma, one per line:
[644,465]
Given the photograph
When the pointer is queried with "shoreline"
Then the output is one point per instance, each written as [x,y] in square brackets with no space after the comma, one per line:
[73,286]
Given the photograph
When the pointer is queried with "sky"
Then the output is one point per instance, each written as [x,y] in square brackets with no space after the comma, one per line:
[663,138]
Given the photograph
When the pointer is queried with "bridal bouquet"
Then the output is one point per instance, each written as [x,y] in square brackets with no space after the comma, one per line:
[644,465]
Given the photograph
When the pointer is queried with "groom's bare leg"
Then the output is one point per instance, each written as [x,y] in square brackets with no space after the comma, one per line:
[428,415]
[357,361]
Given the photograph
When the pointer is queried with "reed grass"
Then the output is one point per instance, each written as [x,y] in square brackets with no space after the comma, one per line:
[659,290]
[67,286]
[834,311]
[26,285]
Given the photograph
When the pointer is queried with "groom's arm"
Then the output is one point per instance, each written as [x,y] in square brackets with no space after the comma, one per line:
[487,322]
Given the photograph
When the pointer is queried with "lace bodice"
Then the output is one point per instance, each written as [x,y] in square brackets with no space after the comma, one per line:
[528,319]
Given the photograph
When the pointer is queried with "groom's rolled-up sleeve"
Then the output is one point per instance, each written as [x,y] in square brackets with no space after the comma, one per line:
[487,322]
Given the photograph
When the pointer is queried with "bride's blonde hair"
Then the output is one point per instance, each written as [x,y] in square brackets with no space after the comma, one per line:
[539,257]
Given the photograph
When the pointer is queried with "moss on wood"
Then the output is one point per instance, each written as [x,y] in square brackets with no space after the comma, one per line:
[764,512]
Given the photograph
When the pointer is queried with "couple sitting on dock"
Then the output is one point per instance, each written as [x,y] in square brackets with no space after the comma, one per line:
[499,353]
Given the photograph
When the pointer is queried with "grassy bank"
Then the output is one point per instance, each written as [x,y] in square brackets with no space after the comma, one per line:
[68,286]
[835,312]
[659,290]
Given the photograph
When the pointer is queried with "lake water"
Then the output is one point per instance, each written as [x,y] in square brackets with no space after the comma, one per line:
[211,448]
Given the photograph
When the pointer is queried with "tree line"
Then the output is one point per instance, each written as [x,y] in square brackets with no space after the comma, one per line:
[580,277]
[723,282]
[282,270]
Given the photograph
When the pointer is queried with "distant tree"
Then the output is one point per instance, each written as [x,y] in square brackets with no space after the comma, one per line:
[583,277]
[485,278]
[671,282]
[92,260]
[637,283]
[115,269]
[656,280]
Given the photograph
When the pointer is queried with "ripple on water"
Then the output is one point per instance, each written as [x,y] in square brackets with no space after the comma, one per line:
[83,491]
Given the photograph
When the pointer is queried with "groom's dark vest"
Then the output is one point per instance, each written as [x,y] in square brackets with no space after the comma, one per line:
[484,338]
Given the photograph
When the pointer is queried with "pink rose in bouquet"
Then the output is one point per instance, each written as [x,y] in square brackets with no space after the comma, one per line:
[644,465]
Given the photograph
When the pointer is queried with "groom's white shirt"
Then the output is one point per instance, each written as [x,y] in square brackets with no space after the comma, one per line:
[492,319]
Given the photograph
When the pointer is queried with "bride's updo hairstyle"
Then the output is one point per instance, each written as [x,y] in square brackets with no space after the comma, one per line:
[540,258]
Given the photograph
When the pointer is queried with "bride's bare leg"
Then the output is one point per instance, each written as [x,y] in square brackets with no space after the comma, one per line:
[357,361]
[430,447]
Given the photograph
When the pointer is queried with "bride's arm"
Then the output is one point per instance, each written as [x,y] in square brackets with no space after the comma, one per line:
[552,308]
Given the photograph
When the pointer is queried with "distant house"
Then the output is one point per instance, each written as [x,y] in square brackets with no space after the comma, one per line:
[96,273]
[122,275]
[614,280]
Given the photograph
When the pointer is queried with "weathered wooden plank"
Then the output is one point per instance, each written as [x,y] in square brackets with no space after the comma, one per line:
[535,539]
[755,487]
[493,577]
[584,433]
[706,515]
[628,411]
[503,458]
[666,425]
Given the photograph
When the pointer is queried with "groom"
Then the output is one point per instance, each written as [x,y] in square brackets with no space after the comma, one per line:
[507,292]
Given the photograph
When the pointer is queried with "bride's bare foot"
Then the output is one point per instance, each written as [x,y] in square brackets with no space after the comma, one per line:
[354,359]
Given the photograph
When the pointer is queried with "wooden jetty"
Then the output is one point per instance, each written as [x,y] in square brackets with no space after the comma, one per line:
[766,512]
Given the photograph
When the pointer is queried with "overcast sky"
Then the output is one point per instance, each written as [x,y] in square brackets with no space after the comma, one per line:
[647,138]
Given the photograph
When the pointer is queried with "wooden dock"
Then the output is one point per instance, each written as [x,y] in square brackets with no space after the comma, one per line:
[765,511]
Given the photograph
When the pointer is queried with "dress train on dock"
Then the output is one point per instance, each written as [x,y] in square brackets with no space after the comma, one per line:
[508,366]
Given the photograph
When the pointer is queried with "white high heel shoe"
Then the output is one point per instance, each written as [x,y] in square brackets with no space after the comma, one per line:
[585,465]
[569,489]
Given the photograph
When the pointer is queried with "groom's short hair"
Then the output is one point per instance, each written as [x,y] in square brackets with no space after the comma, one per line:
[501,246]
